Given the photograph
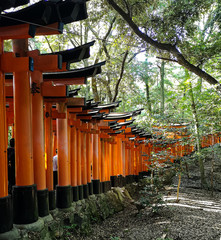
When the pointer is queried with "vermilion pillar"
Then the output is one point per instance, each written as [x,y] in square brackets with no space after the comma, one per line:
[39,147]
[3,141]
[89,152]
[107,185]
[84,164]
[49,155]
[95,169]
[79,159]
[139,147]
[114,164]
[24,193]
[6,217]
[133,166]
[73,153]
[126,159]
[102,165]
[63,195]
[107,161]
[123,159]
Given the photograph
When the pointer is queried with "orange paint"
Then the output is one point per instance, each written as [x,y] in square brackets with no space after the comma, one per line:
[95,157]
[79,179]
[3,141]
[38,134]
[123,159]
[62,142]
[23,121]
[48,147]
[83,158]
[102,160]
[89,156]
[73,153]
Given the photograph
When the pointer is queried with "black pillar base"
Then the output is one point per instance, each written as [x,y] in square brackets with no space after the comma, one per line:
[140,175]
[146,173]
[123,181]
[85,191]
[25,206]
[120,181]
[114,181]
[75,193]
[90,187]
[81,192]
[106,186]
[43,202]
[6,214]
[96,186]
[52,202]
[102,187]
[63,196]
[129,179]
[136,178]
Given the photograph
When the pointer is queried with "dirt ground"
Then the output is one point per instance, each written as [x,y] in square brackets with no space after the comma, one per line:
[197,215]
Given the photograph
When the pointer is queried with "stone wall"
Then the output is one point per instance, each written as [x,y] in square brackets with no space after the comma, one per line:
[74,220]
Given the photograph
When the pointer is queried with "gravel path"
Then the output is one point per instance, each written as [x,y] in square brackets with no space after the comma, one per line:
[197,216]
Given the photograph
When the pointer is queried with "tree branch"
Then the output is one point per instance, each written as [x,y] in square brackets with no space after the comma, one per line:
[163,46]
[49,45]
[135,54]
[121,76]
[167,59]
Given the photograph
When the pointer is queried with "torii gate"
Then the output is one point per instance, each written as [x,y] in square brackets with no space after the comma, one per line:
[25,204]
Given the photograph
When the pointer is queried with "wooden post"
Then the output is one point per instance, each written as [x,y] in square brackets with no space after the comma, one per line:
[84,164]
[63,195]
[129,161]
[3,140]
[25,192]
[89,162]
[133,167]
[79,159]
[102,160]
[126,159]
[6,216]
[114,159]
[102,163]
[95,170]
[123,159]
[39,147]
[49,139]
[107,160]
[73,153]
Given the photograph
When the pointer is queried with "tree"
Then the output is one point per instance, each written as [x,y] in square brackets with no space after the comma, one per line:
[168,24]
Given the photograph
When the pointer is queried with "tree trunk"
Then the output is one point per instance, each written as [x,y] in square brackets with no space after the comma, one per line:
[103,48]
[148,97]
[198,142]
[212,167]
[162,75]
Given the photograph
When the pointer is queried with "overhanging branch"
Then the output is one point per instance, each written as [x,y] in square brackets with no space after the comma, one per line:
[163,46]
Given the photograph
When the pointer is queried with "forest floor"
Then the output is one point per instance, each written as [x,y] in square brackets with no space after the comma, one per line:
[197,215]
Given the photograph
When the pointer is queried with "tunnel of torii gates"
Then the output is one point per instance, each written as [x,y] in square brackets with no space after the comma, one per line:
[97,148]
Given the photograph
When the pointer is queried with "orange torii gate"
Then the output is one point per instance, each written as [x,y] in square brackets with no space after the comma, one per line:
[29,199]
[96,148]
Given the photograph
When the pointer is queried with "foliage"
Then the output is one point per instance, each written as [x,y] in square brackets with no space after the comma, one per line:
[151,193]
[114,238]
[151,198]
